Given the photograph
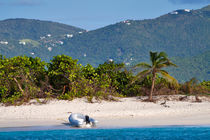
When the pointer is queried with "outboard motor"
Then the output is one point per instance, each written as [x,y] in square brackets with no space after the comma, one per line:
[87,119]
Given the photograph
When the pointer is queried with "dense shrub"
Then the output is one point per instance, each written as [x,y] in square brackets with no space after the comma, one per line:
[20,78]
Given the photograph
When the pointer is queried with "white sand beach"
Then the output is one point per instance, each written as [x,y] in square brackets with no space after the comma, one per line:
[127,112]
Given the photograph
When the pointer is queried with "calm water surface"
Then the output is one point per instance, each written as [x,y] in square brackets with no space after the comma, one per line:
[149,133]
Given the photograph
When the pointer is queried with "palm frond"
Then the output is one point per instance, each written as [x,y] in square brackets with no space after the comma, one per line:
[165,64]
[161,66]
[171,64]
[160,71]
[153,57]
[162,54]
[162,60]
[168,77]
[141,75]
[142,65]
[161,57]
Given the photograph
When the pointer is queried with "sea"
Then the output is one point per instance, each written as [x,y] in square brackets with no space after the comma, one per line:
[140,133]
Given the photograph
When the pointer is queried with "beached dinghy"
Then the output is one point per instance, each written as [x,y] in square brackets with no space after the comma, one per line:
[80,120]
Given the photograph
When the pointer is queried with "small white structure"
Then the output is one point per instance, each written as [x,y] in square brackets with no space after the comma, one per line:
[69,35]
[187,10]
[131,59]
[4,42]
[80,32]
[42,37]
[32,53]
[60,42]
[110,60]
[174,13]
[85,55]
[49,35]
[22,42]
[126,21]
[49,49]
[127,63]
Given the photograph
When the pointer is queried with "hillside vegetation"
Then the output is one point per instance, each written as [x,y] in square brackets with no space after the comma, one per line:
[182,34]
[198,66]
[17,29]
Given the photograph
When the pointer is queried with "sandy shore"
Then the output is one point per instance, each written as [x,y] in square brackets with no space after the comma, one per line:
[128,112]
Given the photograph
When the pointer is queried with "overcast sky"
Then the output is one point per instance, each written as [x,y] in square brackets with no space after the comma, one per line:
[93,14]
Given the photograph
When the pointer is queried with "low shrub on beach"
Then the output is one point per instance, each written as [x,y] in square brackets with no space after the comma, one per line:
[193,87]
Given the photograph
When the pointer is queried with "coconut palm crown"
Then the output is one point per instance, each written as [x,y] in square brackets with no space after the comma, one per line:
[158,62]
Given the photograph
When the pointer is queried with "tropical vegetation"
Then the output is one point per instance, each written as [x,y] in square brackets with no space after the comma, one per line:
[23,78]
[158,62]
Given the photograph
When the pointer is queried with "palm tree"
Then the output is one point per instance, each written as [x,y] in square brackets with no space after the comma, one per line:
[159,61]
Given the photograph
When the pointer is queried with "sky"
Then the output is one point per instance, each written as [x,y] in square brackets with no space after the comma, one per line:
[93,14]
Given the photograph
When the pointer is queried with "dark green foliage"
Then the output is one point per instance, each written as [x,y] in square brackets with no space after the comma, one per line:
[63,70]
[70,80]
[120,77]
[206,84]
[20,78]
[89,72]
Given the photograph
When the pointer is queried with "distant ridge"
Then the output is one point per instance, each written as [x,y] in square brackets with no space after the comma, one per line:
[206,8]
[30,28]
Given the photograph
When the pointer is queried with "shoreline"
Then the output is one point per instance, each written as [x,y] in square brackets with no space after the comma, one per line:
[128,112]
[112,123]
[67,127]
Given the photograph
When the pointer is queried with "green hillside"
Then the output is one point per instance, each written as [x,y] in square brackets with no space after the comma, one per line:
[185,36]
[198,66]
[182,34]
[33,29]
[36,37]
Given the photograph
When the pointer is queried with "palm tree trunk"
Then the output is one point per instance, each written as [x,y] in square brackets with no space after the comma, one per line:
[153,85]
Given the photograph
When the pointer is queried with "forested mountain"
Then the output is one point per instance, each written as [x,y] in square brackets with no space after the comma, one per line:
[33,37]
[33,29]
[182,34]
[189,67]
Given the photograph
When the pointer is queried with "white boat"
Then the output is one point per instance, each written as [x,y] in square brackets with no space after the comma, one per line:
[80,120]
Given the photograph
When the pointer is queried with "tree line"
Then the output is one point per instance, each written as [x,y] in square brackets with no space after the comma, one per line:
[23,78]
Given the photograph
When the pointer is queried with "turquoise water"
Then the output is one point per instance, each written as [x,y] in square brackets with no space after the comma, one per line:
[157,133]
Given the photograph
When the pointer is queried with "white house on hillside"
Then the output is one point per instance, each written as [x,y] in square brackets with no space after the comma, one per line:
[4,42]
[22,42]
